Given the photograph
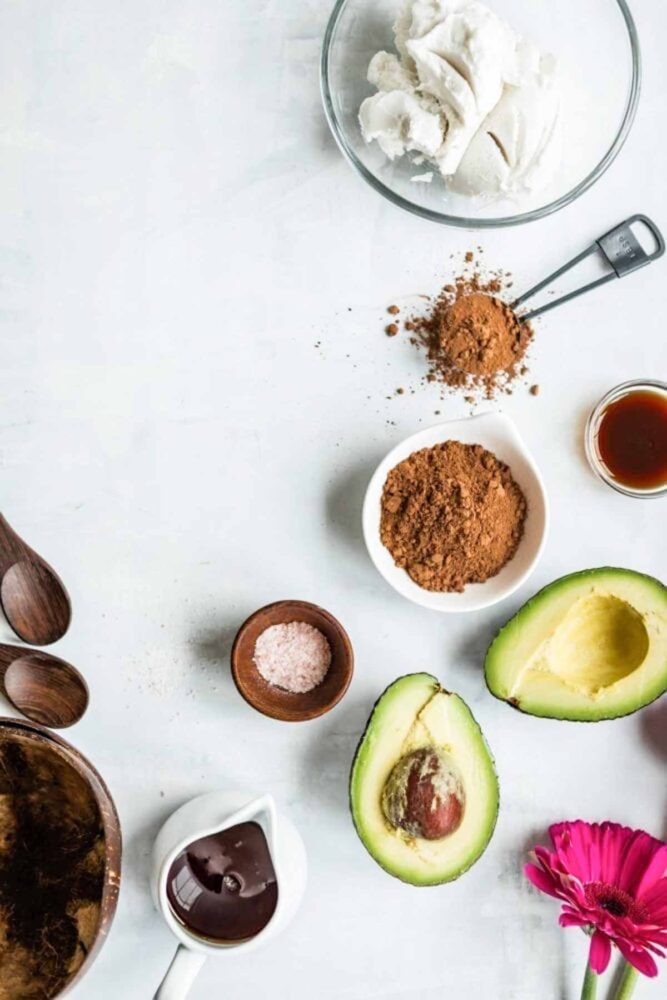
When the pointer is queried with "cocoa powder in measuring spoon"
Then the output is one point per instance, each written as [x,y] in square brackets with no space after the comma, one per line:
[473,340]
[481,336]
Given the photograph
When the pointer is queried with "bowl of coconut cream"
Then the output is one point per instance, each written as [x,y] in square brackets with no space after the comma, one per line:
[480,114]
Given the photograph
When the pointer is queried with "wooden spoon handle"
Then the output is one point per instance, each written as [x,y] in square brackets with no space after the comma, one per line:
[8,654]
[12,548]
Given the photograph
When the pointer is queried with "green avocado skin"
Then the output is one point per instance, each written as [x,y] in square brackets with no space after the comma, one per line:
[532,606]
[361,747]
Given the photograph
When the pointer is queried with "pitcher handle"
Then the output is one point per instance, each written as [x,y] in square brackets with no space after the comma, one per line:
[180,975]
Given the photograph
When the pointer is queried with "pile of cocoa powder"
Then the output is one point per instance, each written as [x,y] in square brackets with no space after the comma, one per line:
[451,515]
[472,339]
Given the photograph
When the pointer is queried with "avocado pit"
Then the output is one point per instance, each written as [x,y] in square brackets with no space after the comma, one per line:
[423,795]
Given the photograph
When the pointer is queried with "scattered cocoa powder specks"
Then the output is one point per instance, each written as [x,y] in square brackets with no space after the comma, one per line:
[469,257]
[534,390]
[391,330]
[393,310]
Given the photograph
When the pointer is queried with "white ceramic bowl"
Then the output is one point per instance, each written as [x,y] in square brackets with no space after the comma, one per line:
[497,433]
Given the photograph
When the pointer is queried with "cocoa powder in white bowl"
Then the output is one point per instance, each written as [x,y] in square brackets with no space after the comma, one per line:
[496,433]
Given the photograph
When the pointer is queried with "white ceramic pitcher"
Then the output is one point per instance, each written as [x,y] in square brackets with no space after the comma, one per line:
[202,817]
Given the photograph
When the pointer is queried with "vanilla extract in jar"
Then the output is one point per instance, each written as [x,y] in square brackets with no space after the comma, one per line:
[626,439]
[223,887]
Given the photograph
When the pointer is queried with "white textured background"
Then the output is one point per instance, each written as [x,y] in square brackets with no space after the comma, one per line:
[177,231]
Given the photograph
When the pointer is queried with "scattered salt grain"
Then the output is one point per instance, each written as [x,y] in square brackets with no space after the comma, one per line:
[295,656]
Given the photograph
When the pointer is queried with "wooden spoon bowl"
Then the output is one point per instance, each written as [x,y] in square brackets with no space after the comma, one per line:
[47,690]
[274,701]
[33,597]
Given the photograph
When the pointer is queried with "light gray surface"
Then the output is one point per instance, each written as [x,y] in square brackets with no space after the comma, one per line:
[177,232]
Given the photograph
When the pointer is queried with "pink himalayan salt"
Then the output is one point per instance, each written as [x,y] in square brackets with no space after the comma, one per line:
[295,656]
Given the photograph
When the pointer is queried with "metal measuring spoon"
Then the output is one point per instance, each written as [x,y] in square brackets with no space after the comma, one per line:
[32,595]
[620,248]
[43,687]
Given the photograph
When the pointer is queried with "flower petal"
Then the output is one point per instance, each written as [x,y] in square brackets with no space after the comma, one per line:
[590,852]
[600,952]
[641,960]
[657,936]
[572,842]
[649,946]
[654,897]
[569,919]
[636,853]
[544,881]
[655,875]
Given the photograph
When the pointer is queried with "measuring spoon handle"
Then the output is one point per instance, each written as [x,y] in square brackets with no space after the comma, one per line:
[621,249]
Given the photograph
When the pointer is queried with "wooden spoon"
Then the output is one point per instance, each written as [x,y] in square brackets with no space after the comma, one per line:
[32,595]
[43,687]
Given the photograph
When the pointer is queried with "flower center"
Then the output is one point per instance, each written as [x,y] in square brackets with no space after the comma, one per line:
[615,901]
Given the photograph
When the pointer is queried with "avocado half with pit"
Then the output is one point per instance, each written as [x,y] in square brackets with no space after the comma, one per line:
[423,789]
[590,646]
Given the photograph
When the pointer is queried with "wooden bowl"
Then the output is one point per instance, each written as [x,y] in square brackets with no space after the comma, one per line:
[273,701]
[84,791]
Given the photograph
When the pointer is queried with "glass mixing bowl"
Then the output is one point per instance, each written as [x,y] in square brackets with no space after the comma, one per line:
[597,47]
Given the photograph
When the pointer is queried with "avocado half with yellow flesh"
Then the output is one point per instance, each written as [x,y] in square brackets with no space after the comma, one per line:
[590,646]
[423,788]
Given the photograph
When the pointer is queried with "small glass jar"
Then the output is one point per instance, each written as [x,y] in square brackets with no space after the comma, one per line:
[593,455]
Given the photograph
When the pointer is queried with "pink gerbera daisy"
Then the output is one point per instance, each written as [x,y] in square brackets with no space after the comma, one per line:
[613,883]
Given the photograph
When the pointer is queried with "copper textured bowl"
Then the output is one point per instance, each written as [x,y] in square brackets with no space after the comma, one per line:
[82,804]
[273,701]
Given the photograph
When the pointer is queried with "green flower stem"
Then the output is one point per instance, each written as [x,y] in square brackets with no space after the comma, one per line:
[590,987]
[626,987]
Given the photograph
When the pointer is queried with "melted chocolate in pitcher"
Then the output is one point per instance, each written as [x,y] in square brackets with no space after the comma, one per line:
[223,887]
